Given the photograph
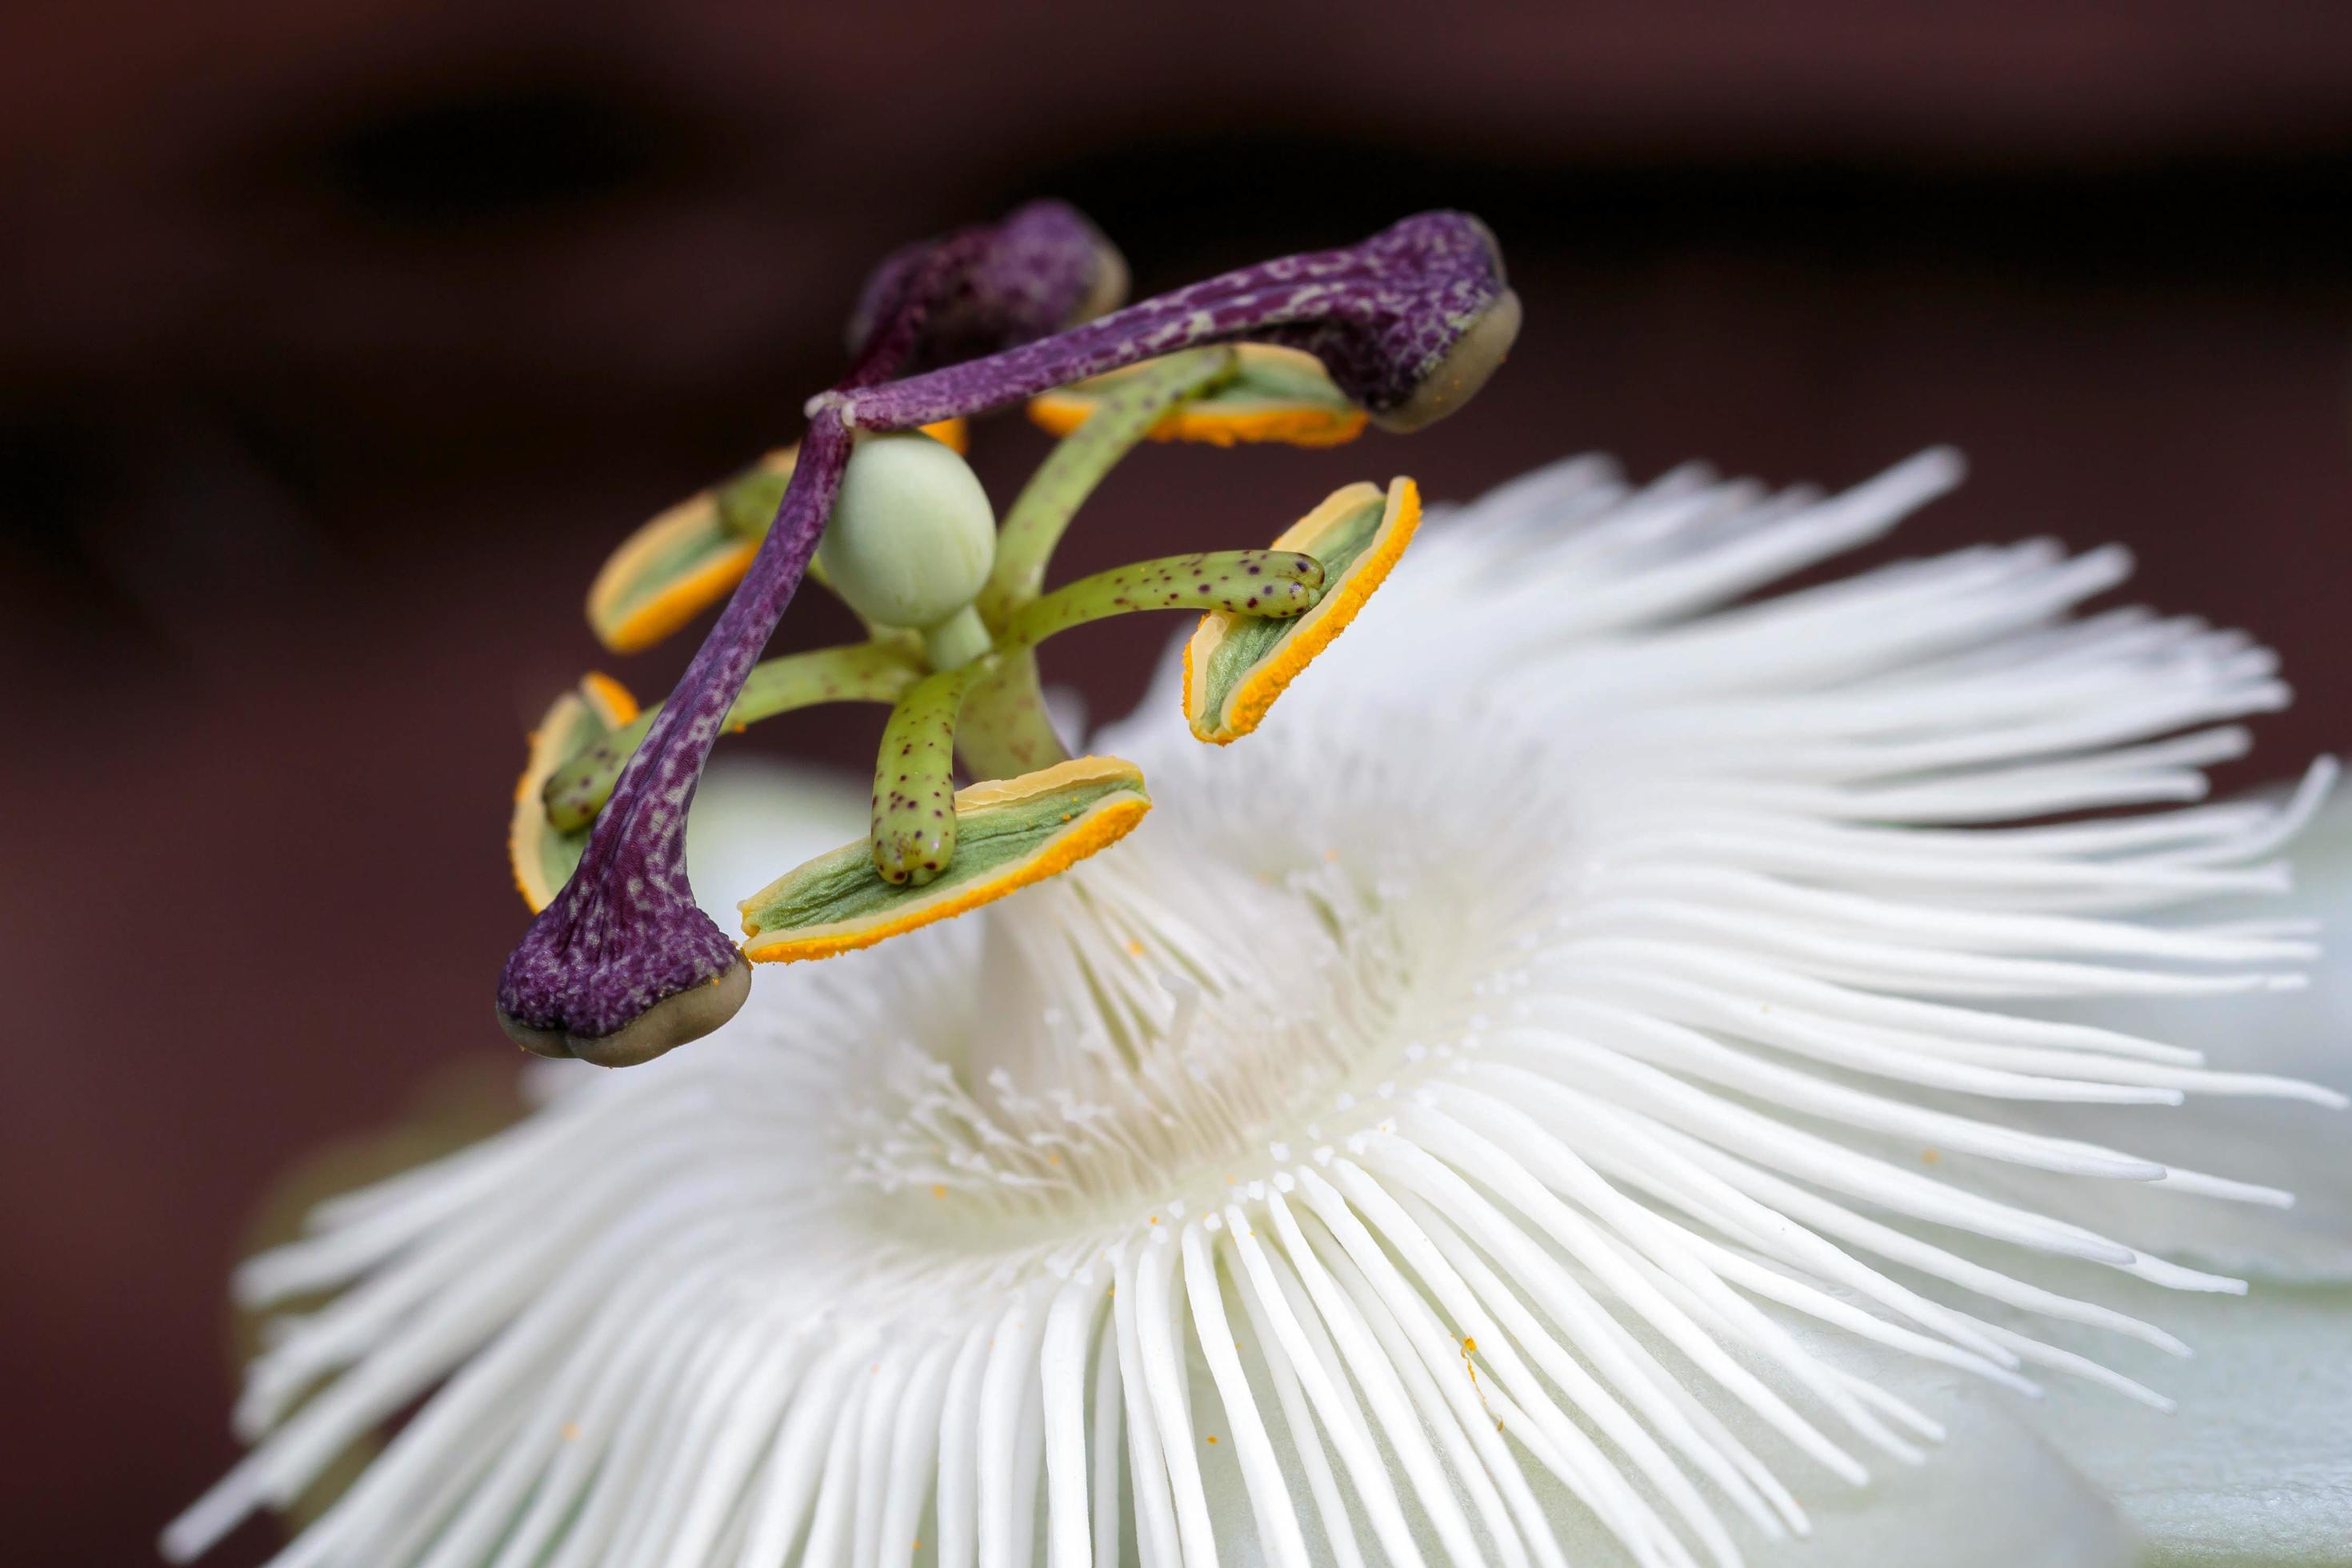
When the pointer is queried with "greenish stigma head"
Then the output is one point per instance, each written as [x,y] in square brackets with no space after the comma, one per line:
[912,536]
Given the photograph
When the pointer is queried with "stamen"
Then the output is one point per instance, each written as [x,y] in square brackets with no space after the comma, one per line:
[1014,833]
[1235,668]
[1271,394]
[689,556]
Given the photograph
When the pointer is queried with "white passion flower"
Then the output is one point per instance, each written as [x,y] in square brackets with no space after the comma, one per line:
[1579,1084]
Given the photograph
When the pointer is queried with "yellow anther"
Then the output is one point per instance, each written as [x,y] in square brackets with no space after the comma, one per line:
[784,922]
[1222,709]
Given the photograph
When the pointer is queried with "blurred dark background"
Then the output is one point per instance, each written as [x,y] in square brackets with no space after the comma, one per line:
[340,341]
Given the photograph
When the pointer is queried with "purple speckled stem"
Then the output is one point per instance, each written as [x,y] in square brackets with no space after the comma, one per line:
[624,933]
[1378,315]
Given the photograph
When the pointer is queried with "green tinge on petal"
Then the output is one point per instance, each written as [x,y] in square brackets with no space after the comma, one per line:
[542,855]
[2254,1467]
[1008,834]
[1236,665]
[1272,395]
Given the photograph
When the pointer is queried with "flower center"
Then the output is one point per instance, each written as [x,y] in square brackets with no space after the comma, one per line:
[1145,1037]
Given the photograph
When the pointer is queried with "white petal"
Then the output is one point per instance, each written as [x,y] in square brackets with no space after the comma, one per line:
[2256,1464]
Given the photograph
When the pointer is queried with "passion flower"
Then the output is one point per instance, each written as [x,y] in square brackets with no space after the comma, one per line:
[1625,1070]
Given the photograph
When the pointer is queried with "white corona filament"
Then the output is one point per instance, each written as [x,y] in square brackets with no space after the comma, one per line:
[1419,1143]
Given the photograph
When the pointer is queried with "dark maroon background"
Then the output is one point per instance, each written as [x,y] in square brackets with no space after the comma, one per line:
[340,339]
